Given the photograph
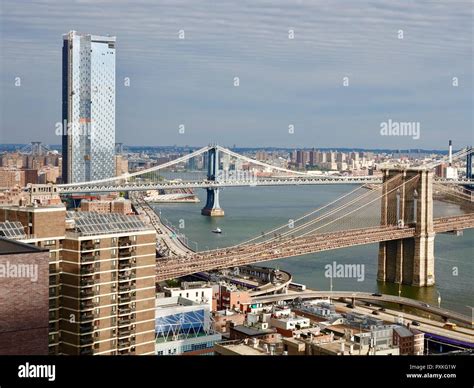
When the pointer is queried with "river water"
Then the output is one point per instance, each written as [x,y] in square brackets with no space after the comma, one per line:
[249,211]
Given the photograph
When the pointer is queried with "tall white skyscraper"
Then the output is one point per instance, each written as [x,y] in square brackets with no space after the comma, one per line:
[88,107]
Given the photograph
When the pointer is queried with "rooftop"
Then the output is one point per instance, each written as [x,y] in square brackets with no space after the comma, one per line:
[291,319]
[8,246]
[402,331]
[12,230]
[91,223]
[251,331]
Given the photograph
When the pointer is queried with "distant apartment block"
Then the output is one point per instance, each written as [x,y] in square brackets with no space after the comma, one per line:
[119,205]
[88,107]
[121,165]
[10,177]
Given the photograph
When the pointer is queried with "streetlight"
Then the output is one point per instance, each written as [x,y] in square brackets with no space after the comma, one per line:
[439,299]
[399,289]
[330,288]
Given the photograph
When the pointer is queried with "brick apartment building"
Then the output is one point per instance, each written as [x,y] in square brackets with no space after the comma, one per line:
[23,299]
[101,276]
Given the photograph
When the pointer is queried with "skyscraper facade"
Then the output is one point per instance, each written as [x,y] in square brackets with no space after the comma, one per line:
[88,107]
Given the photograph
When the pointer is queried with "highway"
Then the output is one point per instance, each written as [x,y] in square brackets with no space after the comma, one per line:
[165,235]
[426,325]
[367,296]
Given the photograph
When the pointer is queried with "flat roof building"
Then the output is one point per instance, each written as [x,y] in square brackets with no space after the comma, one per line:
[183,327]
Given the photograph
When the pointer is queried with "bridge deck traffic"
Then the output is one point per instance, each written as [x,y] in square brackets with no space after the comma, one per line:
[173,267]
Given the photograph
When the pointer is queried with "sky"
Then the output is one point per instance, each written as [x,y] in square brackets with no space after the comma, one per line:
[402,60]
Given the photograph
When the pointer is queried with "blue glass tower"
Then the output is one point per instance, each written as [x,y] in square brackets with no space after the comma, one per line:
[88,107]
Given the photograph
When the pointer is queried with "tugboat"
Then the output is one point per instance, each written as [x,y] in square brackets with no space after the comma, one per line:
[217,230]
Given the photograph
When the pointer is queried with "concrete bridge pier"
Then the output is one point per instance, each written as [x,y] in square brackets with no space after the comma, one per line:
[411,260]
[212,207]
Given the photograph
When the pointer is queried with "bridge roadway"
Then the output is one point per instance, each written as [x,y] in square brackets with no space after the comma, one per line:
[123,185]
[173,267]
[164,234]
[365,296]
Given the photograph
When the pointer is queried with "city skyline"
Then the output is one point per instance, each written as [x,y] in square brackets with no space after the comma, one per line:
[267,178]
[283,81]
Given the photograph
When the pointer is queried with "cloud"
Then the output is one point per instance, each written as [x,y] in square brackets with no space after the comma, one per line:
[282,80]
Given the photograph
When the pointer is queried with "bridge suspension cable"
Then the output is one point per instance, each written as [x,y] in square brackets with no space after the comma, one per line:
[300,218]
[460,154]
[453,192]
[142,172]
[334,211]
[341,207]
[269,166]
[269,245]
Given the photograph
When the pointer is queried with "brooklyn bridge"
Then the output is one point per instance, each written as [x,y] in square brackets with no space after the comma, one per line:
[394,210]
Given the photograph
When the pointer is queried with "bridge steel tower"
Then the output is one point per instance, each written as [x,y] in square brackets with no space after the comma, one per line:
[411,260]
[212,207]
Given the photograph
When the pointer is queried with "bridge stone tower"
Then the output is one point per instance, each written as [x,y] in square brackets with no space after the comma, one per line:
[411,260]
[212,207]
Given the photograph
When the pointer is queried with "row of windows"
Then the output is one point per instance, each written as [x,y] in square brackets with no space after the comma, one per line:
[187,348]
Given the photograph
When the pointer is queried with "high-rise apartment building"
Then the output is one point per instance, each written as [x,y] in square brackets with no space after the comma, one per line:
[101,277]
[88,107]
[108,286]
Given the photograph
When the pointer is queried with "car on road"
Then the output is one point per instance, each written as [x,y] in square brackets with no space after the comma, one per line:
[377,294]
[351,306]
[382,309]
[375,312]
[450,326]
[425,305]
[415,323]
